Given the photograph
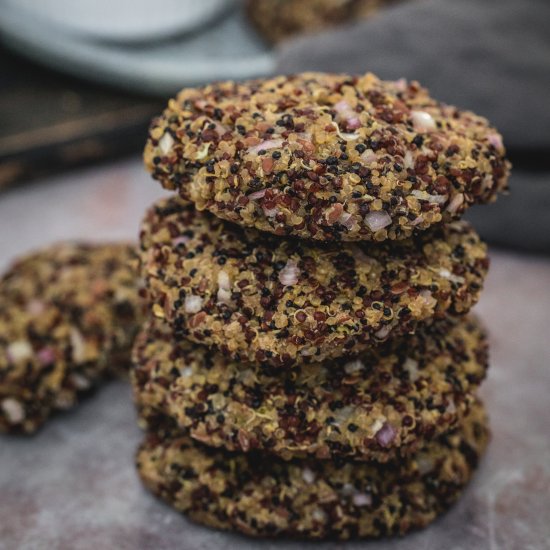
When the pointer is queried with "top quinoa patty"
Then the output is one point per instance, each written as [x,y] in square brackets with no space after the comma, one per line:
[328,157]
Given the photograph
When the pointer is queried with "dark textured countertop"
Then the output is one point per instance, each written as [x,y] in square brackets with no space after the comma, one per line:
[73,485]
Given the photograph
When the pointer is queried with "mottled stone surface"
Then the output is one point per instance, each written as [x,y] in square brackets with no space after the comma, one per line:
[73,485]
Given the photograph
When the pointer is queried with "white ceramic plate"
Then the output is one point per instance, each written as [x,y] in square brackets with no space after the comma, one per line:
[122,20]
[228,49]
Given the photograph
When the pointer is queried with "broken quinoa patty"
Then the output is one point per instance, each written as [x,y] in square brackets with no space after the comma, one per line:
[313,498]
[389,400]
[327,157]
[262,298]
[68,315]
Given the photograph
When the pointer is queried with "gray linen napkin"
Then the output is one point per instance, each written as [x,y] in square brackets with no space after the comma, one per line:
[492,57]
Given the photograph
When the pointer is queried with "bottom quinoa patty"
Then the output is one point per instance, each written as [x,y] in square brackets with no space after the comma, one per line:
[313,498]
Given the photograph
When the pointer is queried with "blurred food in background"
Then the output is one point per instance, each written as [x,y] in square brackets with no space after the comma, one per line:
[491,58]
[278,20]
[69,313]
[220,46]
[113,61]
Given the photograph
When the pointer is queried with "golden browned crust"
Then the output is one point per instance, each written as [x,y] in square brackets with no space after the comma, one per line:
[326,157]
[266,299]
[68,316]
[262,496]
[388,400]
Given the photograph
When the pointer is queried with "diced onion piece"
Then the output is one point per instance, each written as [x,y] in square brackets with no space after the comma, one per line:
[369,156]
[386,434]
[308,475]
[456,203]
[496,141]
[202,153]
[425,465]
[342,416]
[271,212]
[319,515]
[201,104]
[224,287]
[186,372]
[411,366]
[289,274]
[408,160]
[78,345]
[165,143]
[35,307]
[79,381]
[383,332]
[346,219]
[348,489]
[347,114]
[487,182]
[451,407]
[182,239]
[345,110]
[220,128]
[257,195]
[46,356]
[425,196]
[423,121]
[354,366]
[377,220]
[401,85]
[192,304]
[13,410]
[64,401]
[428,299]
[266,145]
[349,137]
[20,350]
[446,274]
[361,499]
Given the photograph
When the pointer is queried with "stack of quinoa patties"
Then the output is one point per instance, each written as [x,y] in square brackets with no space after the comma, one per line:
[309,368]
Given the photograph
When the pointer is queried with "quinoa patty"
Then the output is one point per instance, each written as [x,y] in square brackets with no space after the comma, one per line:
[328,157]
[68,315]
[263,298]
[313,498]
[278,20]
[386,401]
